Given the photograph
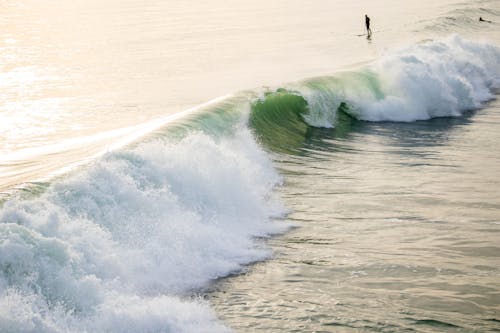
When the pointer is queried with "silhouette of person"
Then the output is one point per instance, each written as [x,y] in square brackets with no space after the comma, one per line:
[483,20]
[367,22]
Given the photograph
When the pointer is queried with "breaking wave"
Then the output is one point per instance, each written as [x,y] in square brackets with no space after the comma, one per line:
[122,246]
[442,78]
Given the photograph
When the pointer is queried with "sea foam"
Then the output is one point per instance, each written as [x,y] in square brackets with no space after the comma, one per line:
[120,246]
[437,78]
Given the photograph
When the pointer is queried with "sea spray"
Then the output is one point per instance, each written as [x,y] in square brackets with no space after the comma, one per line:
[118,247]
[433,79]
[440,78]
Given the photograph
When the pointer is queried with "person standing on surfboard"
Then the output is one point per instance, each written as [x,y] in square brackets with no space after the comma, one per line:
[367,22]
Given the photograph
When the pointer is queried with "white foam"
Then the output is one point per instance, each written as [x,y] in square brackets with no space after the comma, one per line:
[436,79]
[113,248]
[433,79]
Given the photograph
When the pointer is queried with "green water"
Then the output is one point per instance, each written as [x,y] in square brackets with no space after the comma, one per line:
[398,230]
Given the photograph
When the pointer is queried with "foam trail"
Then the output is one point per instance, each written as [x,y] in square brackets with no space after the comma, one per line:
[113,249]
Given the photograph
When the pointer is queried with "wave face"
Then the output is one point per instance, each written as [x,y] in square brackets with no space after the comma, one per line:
[442,78]
[122,245]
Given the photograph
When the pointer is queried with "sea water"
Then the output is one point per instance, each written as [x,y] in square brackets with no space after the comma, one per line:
[398,230]
[77,77]
[249,167]
[398,222]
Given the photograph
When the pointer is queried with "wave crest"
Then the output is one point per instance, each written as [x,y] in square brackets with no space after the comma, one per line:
[442,78]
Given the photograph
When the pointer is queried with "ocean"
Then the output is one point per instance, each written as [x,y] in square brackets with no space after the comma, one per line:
[249,166]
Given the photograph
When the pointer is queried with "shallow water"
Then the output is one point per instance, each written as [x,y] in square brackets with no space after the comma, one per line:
[398,230]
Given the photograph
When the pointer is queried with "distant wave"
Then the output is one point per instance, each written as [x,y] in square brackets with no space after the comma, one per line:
[464,18]
[442,78]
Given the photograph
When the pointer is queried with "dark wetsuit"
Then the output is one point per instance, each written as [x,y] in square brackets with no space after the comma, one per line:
[367,22]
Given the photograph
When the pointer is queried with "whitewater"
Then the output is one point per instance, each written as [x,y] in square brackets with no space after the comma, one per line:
[257,167]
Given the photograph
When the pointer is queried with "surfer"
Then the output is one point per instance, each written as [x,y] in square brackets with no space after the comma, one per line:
[482,20]
[367,22]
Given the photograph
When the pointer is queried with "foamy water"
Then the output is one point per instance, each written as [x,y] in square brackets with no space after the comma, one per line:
[150,149]
[112,248]
[442,78]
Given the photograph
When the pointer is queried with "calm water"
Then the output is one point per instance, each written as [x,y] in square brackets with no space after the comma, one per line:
[398,230]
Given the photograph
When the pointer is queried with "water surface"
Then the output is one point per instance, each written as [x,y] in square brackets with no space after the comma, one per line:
[398,230]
